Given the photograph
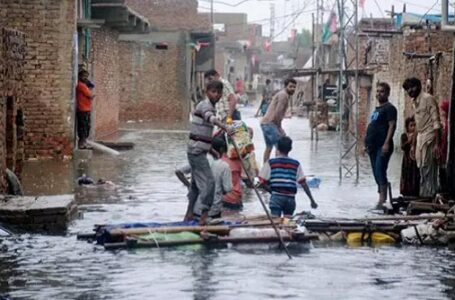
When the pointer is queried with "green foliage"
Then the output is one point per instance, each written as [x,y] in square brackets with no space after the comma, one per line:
[304,39]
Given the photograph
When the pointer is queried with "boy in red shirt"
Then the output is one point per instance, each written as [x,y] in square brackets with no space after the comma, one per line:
[84,98]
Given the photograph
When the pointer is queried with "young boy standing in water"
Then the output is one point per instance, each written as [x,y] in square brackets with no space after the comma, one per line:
[223,181]
[201,131]
[280,176]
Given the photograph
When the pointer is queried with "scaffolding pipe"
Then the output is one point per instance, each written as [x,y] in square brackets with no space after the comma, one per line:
[340,81]
[348,110]
[445,17]
[313,48]
[357,90]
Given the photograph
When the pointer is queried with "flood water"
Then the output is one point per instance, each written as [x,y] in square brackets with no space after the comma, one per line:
[60,267]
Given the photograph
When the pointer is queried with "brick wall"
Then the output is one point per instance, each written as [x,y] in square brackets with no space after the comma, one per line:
[153,85]
[106,74]
[135,80]
[12,55]
[390,65]
[171,14]
[400,68]
[49,27]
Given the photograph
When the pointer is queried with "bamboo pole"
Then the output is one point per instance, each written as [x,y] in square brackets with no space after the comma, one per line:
[222,230]
[135,243]
[389,218]
[212,228]
[397,228]
[280,238]
[408,218]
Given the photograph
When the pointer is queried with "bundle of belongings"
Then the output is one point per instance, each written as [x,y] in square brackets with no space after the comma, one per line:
[242,138]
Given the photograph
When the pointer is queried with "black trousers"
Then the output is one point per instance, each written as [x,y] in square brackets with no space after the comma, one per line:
[83,124]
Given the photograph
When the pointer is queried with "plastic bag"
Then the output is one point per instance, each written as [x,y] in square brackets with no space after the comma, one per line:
[313,181]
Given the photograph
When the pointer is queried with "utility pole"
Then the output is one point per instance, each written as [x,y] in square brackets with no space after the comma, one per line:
[272,21]
[211,12]
[318,49]
[321,9]
[313,48]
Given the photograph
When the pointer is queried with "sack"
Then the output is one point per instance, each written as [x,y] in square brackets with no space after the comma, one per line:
[242,138]
[159,236]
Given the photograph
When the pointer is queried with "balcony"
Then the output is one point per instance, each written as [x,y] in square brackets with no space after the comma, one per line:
[117,15]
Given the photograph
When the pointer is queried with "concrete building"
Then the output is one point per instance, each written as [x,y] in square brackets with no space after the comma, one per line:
[238,46]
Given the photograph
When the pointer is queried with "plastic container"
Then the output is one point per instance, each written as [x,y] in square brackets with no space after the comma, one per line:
[376,238]
[313,181]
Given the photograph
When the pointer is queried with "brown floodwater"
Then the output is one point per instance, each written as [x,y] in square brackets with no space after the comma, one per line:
[36,266]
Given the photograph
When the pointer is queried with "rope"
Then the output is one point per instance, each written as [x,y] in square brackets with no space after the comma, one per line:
[153,238]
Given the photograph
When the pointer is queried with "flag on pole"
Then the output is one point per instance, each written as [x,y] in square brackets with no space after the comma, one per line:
[293,34]
[267,46]
[329,28]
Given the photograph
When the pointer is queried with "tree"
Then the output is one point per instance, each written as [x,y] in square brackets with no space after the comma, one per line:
[304,39]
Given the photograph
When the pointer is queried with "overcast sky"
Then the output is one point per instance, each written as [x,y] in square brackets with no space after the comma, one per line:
[297,13]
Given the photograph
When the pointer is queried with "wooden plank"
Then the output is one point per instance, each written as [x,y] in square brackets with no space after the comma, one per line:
[86,236]
[114,246]
[423,207]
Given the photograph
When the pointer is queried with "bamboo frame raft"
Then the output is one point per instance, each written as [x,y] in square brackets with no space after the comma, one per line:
[217,229]
[113,237]
[134,242]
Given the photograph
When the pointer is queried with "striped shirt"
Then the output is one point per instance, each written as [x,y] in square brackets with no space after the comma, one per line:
[201,128]
[282,174]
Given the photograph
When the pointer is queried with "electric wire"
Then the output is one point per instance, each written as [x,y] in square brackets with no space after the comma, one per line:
[430,9]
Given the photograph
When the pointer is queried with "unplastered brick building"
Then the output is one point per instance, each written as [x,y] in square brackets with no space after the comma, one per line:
[392,50]
[145,73]
[142,56]
[12,58]
[160,69]
[46,91]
